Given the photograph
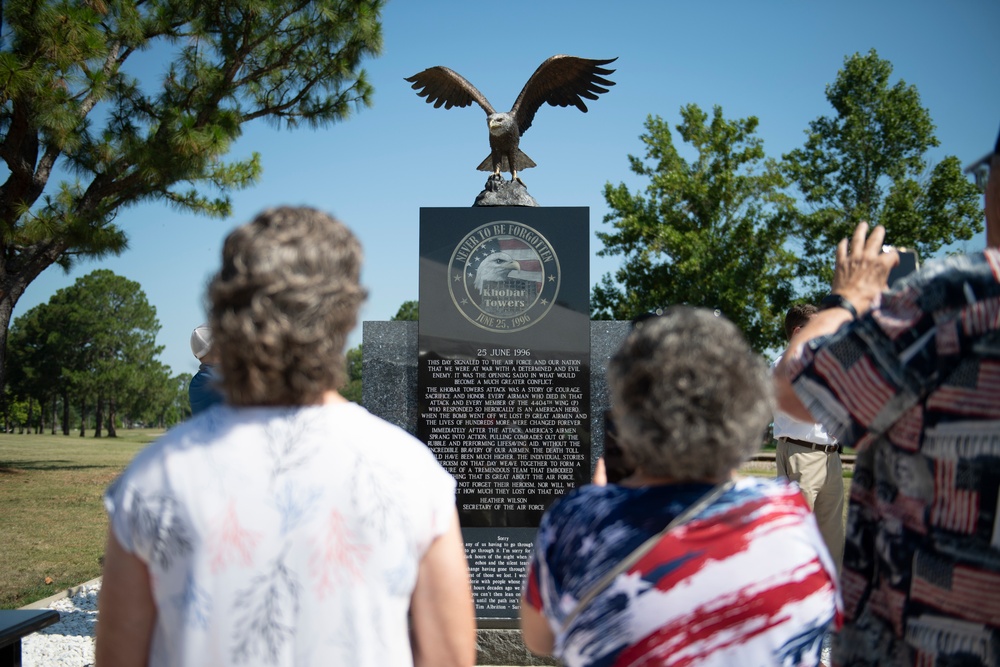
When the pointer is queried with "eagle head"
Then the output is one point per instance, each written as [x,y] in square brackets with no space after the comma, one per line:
[501,123]
[495,267]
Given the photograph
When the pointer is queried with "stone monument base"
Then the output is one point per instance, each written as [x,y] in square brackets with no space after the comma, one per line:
[390,391]
[504,647]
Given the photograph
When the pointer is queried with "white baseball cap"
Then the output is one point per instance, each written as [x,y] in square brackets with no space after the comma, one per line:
[201,340]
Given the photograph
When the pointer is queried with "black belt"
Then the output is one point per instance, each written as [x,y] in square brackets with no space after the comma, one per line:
[829,449]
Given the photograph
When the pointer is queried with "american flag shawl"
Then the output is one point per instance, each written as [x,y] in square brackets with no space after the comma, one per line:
[915,386]
[746,581]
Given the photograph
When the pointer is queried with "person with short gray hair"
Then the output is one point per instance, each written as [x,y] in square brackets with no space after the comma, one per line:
[685,415]
[682,562]
[288,526]
[282,305]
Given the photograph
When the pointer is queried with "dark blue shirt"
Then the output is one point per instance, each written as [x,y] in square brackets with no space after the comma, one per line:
[202,392]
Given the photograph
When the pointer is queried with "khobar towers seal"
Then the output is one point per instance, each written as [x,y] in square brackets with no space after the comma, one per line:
[504,276]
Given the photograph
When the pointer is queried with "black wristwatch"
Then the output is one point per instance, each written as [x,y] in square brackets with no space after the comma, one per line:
[838,301]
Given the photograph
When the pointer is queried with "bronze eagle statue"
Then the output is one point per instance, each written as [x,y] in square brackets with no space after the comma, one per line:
[561,81]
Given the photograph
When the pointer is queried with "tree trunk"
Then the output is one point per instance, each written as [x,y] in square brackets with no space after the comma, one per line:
[15,276]
[55,412]
[65,415]
[112,433]
[99,416]
[83,417]
[31,414]
[6,309]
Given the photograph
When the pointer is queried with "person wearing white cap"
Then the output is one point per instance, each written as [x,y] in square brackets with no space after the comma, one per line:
[202,392]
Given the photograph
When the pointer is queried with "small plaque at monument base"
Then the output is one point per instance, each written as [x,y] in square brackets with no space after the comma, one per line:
[504,376]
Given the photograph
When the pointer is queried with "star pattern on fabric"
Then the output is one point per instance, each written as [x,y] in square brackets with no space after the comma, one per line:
[630,584]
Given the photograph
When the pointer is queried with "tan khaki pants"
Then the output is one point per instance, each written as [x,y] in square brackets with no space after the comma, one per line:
[820,477]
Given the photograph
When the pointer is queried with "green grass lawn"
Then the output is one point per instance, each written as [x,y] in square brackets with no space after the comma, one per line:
[52,520]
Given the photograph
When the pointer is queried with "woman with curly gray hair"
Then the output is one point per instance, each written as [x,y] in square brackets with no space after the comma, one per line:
[288,526]
[682,562]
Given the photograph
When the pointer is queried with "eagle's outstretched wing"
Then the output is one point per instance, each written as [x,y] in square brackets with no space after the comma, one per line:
[441,85]
[561,81]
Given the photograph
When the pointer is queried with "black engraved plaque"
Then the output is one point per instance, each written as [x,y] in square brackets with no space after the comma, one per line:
[504,375]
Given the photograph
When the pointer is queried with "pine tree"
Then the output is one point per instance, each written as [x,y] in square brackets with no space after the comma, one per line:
[82,137]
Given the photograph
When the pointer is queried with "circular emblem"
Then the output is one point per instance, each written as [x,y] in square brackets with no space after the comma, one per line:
[504,276]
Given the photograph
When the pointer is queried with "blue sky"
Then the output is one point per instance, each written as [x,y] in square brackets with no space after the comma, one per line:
[767,59]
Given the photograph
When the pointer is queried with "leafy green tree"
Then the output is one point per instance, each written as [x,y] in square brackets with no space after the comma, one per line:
[155,399]
[114,327]
[81,137]
[409,311]
[708,232]
[352,390]
[32,365]
[16,415]
[866,162]
[179,407]
[41,350]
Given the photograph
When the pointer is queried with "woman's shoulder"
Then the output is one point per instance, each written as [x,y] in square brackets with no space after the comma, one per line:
[762,495]
[779,489]
[222,427]
[590,495]
[383,444]
[594,505]
[179,436]
[356,423]
[583,501]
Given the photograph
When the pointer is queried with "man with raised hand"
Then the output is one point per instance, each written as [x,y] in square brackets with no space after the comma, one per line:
[809,456]
[911,379]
